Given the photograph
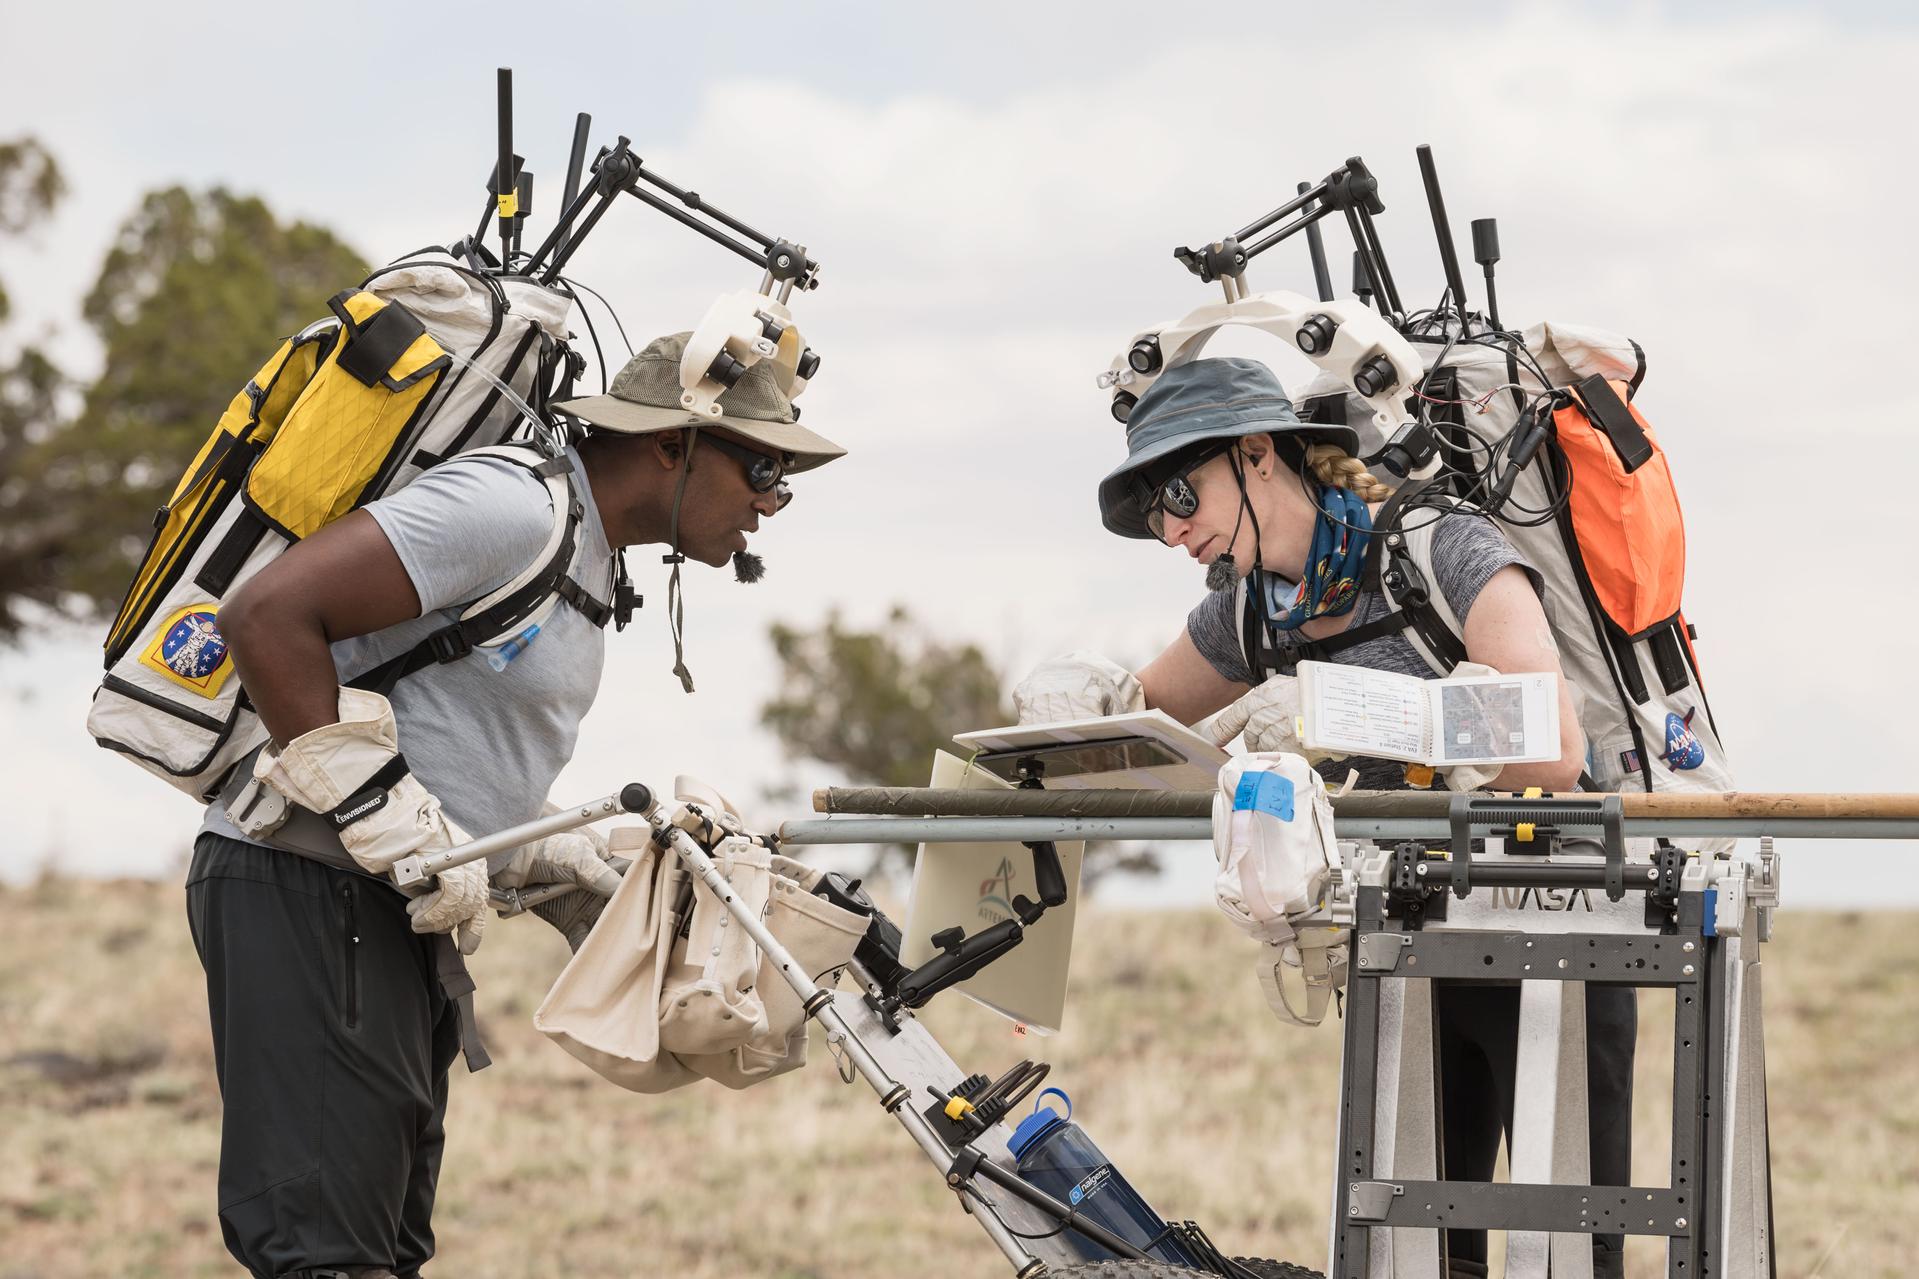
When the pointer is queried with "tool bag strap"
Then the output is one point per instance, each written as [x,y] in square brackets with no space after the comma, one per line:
[518,602]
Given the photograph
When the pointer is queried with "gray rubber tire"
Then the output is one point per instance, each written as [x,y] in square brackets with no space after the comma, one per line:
[1161,1270]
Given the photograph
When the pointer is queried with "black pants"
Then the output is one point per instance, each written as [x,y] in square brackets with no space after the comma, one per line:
[1478,1050]
[332,1042]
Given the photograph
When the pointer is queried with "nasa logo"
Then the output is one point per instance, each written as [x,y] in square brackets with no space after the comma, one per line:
[190,651]
[1683,747]
[996,893]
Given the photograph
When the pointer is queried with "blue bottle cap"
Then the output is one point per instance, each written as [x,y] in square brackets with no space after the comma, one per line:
[1036,1125]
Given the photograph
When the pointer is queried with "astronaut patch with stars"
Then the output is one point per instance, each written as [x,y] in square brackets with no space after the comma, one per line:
[190,651]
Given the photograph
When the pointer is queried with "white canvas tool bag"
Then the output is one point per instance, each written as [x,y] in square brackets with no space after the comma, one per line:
[651,1010]
[1273,838]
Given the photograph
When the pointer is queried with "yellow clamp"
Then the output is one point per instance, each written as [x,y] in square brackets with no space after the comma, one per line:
[1533,792]
[509,204]
[1523,832]
[956,1107]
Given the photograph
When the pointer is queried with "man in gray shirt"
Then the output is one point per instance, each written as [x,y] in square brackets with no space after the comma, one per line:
[334,1020]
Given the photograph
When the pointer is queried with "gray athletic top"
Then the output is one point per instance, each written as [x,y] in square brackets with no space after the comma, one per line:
[1467,550]
[488,743]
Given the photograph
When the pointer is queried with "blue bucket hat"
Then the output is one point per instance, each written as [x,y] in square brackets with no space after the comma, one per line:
[1221,398]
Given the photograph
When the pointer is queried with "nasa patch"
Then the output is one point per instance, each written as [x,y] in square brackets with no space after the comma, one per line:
[1683,748]
[190,651]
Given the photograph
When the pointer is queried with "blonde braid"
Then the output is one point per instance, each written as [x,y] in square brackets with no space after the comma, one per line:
[1332,465]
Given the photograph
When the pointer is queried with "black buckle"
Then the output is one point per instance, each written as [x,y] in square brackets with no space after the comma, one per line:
[448,645]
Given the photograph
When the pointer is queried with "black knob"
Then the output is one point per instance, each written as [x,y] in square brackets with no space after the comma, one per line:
[1123,402]
[635,797]
[808,364]
[726,370]
[1375,377]
[1315,336]
[771,327]
[1485,241]
[1145,357]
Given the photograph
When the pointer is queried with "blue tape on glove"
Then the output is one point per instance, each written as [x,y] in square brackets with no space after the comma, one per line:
[1265,793]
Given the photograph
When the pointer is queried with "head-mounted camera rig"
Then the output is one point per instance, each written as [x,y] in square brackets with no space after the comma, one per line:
[738,331]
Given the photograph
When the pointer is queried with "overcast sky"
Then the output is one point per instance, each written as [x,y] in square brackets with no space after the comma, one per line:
[994,191]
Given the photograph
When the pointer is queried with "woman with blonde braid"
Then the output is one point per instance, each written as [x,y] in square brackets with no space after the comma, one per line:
[1282,514]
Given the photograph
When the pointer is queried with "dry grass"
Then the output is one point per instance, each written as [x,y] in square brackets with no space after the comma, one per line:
[1216,1111]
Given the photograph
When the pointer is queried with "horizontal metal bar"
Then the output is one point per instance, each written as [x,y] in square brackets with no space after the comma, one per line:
[1473,1205]
[969,830]
[1593,957]
[907,801]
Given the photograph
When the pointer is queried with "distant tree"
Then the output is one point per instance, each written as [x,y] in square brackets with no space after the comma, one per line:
[875,704]
[195,292]
[31,387]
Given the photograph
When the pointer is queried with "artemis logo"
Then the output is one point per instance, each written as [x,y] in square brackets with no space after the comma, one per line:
[355,814]
[1542,899]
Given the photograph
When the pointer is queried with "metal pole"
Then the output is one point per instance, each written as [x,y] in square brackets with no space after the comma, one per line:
[968,830]
[1316,248]
[632,798]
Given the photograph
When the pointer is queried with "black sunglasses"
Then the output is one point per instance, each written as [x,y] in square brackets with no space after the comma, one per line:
[764,471]
[1168,488]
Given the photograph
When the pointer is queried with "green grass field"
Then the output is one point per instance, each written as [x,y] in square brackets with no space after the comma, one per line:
[1211,1107]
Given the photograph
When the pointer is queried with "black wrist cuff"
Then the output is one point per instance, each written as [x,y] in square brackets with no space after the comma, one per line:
[372,795]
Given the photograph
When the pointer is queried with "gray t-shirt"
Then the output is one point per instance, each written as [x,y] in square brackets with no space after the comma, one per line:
[1467,550]
[488,743]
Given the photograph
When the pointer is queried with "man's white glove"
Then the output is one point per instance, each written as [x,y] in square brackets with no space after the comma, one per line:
[571,857]
[1269,716]
[352,774]
[1078,685]
[457,903]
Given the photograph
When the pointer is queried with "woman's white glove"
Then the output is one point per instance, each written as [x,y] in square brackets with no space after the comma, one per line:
[1472,776]
[1269,716]
[1078,685]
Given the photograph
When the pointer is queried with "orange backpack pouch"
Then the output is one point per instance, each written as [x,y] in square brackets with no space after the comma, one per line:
[1630,535]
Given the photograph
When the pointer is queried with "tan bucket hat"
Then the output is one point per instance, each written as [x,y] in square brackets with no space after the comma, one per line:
[645,397]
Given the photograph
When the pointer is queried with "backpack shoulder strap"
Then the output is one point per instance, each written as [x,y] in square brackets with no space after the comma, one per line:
[524,600]
[1403,565]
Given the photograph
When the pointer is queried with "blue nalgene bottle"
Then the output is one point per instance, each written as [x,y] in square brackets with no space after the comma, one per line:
[1056,1155]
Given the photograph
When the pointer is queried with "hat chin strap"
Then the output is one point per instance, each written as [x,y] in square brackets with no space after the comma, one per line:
[675,601]
[1221,574]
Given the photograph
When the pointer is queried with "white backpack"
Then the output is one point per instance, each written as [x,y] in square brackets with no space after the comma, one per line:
[425,361]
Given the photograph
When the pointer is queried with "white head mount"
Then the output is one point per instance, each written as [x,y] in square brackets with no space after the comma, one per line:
[741,329]
[1345,338]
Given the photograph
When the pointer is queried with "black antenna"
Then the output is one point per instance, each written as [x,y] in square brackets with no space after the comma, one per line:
[1316,246]
[576,159]
[1447,255]
[1486,252]
[505,174]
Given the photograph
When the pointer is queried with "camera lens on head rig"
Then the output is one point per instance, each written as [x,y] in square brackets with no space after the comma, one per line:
[1145,357]
[1375,377]
[808,363]
[1315,336]
[726,370]
[1123,402]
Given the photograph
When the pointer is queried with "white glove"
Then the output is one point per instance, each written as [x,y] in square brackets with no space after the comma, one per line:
[1078,685]
[1269,716]
[352,774]
[1472,776]
[571,857]
[456,905]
